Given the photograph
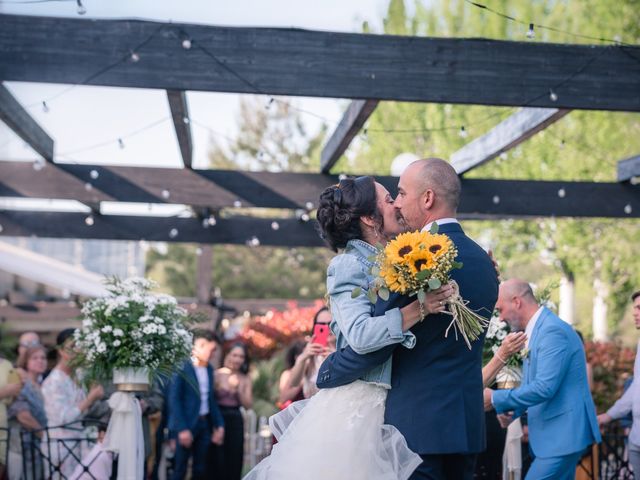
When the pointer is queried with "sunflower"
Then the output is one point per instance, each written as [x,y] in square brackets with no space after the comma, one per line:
[404,244]
[421,259]
[393,278]
[436,245]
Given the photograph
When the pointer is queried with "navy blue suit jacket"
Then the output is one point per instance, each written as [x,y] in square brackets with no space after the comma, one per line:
[184,400]
[436,388]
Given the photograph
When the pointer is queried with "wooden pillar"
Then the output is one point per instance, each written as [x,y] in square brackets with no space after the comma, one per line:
[204,274]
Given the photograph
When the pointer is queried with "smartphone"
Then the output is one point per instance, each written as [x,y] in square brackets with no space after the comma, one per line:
[321,333]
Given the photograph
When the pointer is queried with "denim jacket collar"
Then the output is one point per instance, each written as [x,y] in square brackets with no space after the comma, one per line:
[364,249]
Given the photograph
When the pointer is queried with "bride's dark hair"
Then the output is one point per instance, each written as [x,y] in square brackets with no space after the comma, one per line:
[340,208]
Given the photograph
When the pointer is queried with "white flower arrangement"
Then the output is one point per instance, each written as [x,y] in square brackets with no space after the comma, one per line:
[131,327]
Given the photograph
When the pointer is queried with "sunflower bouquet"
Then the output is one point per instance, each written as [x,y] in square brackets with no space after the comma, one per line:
[418,262]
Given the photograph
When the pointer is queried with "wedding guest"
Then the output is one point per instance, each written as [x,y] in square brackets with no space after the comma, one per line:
[28,418]
[194,416]
[554,391]
[489,462]
[290,392]
[630,400]
[305,369]
[65,403]
[26,341]
[234,390]
[10,385]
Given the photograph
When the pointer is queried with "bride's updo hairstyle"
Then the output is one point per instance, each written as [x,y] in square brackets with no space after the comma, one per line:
[341,207]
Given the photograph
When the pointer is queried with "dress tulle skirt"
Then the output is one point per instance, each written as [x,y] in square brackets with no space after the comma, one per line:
[337,434]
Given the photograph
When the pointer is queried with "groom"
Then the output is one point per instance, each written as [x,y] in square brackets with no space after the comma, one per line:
[435,399]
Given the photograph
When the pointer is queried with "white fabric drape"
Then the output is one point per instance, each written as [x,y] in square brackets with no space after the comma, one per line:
[512,457]
[124,435]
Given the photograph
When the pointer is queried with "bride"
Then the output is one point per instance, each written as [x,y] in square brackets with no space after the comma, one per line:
[339,433]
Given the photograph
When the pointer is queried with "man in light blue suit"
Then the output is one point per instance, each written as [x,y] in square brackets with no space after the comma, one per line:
[554,390]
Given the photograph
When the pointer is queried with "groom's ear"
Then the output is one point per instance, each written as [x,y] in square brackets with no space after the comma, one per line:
[428,199]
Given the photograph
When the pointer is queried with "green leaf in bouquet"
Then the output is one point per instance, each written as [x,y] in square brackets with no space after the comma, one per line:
[355,293]
[383,293]
[375,270]
[372,258]
[379,246]
[423,275]
[434,228]
[457,265]
[422,296]
[371,294]
[434,283]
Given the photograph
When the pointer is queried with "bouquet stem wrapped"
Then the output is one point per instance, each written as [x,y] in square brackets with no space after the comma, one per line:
[465,321]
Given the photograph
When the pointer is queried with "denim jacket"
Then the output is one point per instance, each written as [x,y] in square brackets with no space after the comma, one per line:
[352,320]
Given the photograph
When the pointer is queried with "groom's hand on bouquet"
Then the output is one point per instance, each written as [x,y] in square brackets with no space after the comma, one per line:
[185,438]
[217,437]
[505,419]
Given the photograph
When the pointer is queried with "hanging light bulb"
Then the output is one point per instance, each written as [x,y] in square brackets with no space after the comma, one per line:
[173,233]
[94,174]
[88,187]
[186,43]
[135,58]
[120,143]
[186,120]
[254,242]
[237,204]
[628,209]
[81,9]
[463,132]
[89,220]
[275,226]
[45,107]
[553,95]
[38,164]
[531,33]
[166,194]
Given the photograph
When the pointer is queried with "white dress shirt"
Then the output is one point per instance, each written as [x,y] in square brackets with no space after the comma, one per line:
[440,221]
[531,325]
[203,383]
[630,403]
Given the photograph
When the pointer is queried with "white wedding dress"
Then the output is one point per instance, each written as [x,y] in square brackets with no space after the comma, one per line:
[338,434]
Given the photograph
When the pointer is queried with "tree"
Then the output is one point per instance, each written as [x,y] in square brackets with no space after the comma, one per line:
[582,146]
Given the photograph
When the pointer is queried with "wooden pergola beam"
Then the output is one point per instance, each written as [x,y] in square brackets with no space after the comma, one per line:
[235,230]
[629,168]
[508,134]
[352,121]
[23,124]
[321,64]
[181,124]
[480,199]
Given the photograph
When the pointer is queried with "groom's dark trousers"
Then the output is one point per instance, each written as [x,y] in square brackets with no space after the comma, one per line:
[435,399]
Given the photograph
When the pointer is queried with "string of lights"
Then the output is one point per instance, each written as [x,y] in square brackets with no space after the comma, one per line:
[533,26]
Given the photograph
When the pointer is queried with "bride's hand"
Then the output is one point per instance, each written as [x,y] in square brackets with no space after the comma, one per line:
[512,343]
[436,300]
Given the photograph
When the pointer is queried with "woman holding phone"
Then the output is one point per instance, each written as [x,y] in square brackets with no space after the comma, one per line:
[339,433]
[320,345]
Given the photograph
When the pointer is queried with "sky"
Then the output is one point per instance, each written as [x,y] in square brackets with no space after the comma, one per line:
[86,122]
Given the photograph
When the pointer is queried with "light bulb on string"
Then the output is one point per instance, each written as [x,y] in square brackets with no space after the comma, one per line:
[628,209]
[275,226]
[45,107]
[94,174]
[553,96]
[186,43]
[173,233]
[89,220]
[121,143]
[88,187]
[253,242]
[463,132]
[166,194]
[237,204]
[81,8]
[135,58]
[531,33]
[38,164]
[186,120]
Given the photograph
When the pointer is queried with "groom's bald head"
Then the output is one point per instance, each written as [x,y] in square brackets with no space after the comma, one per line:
[438,175]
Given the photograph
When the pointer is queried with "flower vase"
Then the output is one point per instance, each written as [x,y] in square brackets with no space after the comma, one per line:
[131,379]
[509,377]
